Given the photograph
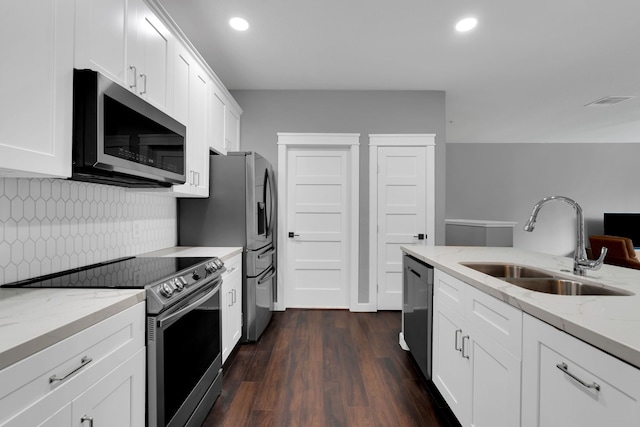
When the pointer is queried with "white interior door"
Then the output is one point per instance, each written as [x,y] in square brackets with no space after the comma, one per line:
[401,216]
[318,191]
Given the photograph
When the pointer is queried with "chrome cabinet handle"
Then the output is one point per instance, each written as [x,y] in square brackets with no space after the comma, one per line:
[466,356]
[83,362]
[564,368]
[87,418]
[458,331]
[144,78]
[234,295]
[135,77]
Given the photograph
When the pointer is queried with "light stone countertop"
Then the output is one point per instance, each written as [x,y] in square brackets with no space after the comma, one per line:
[224,253]
[33,319]
[611,323]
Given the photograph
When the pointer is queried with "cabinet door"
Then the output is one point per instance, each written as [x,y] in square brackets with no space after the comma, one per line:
[495,384]
[235,331]
[226,300]
[37,416]
[101,38]
[450,368]
[218,121]
[36,87]
[116,400]
[232,306]
[182,63]
[197,132]
[566,382]
[232,131]
[150,54]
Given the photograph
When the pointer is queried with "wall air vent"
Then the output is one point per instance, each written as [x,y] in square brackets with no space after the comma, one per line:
[608,101]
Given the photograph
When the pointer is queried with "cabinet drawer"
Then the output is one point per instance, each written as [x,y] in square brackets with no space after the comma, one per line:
[73,363]
[232,264]
[567,382]
[495,319]
[449,291]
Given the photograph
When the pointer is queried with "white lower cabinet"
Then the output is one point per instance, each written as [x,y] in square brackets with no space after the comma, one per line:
[476,354]
[567,382]
[231,301]
[95,377]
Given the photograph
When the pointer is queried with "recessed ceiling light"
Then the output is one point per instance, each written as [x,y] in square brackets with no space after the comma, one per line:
[466,24]
[239,24]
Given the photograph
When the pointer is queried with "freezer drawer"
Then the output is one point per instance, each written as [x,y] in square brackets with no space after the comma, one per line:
[259,300]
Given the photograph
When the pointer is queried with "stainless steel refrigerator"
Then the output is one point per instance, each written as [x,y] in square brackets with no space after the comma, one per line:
[240,211]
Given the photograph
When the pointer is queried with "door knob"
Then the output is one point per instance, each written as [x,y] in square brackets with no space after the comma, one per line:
[420,236]
[292,234]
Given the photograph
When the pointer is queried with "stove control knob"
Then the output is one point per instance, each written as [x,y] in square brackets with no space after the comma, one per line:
[177,284]
[210,267]
[166,290]
[219,263]
[195,275]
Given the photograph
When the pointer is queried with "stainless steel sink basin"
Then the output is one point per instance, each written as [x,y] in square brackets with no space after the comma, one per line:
[543,281]
[560,286]
[507,270]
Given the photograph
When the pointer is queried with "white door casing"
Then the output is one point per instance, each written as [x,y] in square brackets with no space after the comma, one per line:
[318,201]
[402,199]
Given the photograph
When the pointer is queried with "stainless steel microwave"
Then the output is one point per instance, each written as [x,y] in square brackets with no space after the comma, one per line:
[120,139]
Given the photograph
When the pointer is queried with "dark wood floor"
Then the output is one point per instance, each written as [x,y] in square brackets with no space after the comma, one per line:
[325,368]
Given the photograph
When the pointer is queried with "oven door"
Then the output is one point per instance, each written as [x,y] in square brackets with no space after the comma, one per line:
[184,360]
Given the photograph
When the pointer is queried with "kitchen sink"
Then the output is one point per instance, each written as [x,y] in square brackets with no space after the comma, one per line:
[507,270]
[543,281]
[560,286]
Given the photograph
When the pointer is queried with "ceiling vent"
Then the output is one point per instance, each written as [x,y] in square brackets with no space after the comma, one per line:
[608,101]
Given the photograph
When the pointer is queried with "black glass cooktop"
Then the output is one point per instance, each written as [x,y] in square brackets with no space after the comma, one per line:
[124,273]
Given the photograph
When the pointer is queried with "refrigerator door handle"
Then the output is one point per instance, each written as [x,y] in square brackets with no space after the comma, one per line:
[269,215]
[267,253]
[268,276]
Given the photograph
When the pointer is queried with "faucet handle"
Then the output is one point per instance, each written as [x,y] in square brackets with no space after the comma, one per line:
[594,264]
[603,253]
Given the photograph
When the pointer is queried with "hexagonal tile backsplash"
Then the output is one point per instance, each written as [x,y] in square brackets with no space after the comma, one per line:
[51,225]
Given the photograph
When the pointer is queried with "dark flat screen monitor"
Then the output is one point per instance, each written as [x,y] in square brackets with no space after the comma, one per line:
[623,225]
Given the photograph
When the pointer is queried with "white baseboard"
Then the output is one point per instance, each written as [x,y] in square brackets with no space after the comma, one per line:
[402,342]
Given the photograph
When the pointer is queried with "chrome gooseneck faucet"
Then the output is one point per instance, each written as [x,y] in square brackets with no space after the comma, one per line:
[580,261]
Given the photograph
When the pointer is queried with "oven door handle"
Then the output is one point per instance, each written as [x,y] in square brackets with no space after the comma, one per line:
[267,276]
[189,307]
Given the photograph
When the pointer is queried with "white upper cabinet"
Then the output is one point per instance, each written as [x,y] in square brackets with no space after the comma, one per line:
[102,37]
[232,137]
[225,123]
[128,43]
[148,54]
[191,100]
[36,87]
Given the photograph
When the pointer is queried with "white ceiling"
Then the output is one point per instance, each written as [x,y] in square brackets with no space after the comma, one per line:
[523,75]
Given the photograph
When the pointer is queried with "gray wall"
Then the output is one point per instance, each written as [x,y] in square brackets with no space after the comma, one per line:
[265,113]
[504,181]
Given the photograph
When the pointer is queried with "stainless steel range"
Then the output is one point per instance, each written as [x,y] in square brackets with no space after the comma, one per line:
[184,358]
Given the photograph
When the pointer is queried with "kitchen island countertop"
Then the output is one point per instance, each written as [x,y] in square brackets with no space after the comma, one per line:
[610,323]
[33,319]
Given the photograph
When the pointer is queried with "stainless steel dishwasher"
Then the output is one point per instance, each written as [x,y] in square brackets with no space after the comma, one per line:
[417,311]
